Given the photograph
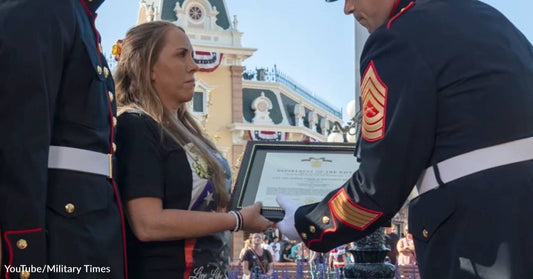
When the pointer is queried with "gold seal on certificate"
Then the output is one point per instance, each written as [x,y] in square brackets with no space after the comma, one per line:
[306,172]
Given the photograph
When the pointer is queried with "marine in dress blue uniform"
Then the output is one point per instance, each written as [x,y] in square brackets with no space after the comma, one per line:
[447,96]
[59,204]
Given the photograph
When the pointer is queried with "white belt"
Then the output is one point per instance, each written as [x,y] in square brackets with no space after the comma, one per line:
[475,161]
[69,158]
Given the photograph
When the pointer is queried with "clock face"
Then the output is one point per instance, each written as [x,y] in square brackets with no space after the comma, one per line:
[196,13]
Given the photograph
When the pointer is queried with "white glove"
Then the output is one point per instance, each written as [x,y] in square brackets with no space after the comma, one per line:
[286,226]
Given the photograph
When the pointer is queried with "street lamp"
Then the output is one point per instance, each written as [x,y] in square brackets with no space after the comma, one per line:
[369,252]
[348,133]
[336,135]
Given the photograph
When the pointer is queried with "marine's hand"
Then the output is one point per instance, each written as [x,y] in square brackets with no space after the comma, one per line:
[286,226]
[253,221]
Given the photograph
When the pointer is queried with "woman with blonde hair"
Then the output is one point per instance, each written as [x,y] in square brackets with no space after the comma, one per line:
[257,261]
[247,245]
[173,180]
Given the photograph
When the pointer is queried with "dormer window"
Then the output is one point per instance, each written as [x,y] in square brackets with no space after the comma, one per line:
[261,107]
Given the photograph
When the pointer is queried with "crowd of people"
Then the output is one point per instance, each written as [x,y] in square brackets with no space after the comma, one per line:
[261,251]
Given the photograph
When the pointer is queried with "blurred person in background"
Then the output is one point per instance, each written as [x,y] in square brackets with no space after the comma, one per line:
[257,261]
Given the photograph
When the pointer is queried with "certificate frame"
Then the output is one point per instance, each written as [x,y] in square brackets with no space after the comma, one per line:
[252,169]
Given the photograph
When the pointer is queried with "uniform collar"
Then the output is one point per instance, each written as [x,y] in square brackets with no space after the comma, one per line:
[398,6]
[92,4]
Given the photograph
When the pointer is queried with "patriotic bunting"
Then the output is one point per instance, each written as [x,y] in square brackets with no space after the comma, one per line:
[207,61]
[256,135]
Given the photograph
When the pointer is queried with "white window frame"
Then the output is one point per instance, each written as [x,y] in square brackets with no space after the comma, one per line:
[206,89]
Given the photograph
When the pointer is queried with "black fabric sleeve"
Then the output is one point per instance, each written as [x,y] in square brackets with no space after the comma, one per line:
[248,257]
[269,256]
[140,162]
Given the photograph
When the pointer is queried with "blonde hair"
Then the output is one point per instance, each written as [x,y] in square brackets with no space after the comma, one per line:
[140,51]
[247,243]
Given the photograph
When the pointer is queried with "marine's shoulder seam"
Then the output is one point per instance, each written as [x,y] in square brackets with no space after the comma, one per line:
[401,12]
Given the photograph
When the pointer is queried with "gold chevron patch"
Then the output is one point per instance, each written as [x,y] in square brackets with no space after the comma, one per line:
[374,96]
[351,214]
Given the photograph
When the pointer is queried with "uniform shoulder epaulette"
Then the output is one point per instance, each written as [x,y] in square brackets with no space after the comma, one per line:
[401,12]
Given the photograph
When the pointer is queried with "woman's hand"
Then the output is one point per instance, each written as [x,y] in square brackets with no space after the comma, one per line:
[253,221]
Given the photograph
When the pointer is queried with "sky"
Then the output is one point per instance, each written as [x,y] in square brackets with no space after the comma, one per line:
[309,40]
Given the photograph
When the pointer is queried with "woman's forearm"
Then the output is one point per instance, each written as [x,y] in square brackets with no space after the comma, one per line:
[245,268]
[150,222]
[270,268]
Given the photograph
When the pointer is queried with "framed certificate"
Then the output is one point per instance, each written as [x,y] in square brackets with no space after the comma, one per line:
[306,172]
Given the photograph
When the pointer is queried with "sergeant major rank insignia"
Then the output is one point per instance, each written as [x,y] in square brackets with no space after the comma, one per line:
[374,96]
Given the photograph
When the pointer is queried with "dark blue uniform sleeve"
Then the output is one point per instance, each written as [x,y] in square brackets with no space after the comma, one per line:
[34,39]
[398,129]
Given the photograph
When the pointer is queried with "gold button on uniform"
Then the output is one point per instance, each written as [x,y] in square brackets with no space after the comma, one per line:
[25,274]
[98,70]
[114,148]
[114,121]
[111,97]
[304,236]
[69,208]
[425,233]
[106,72]
[22,244]
[312,229]
[325,220]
